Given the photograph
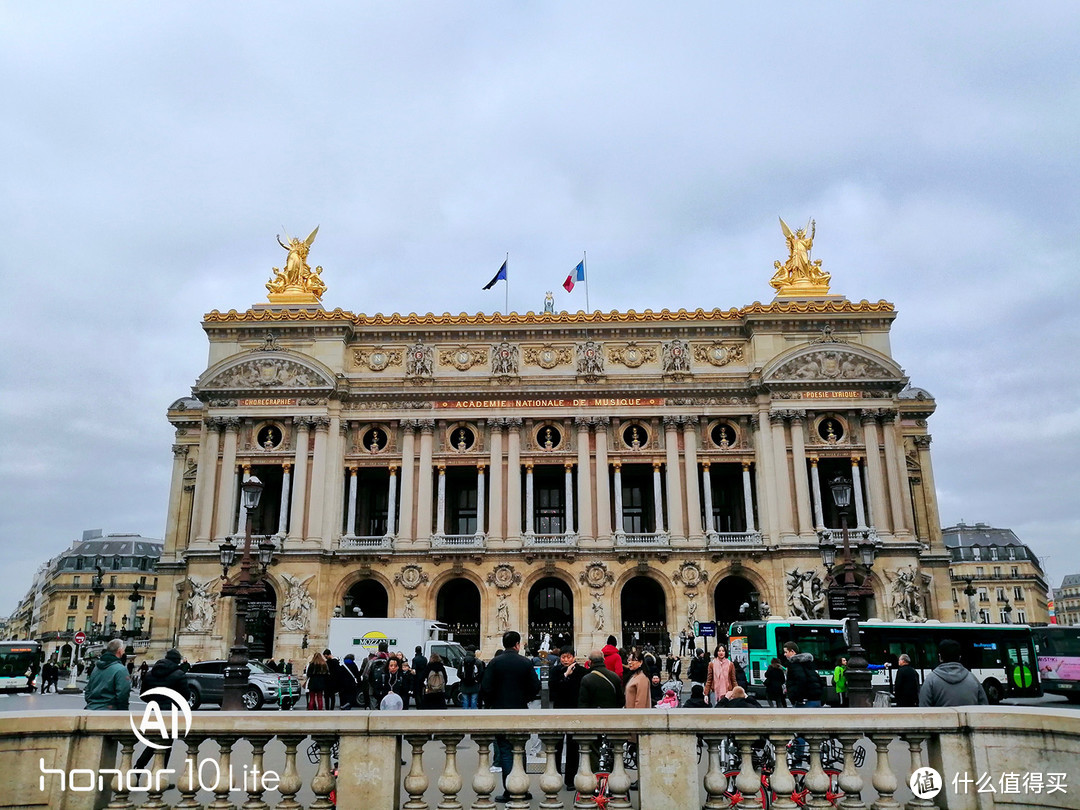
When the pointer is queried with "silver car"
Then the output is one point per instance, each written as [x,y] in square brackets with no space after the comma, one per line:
[206,684]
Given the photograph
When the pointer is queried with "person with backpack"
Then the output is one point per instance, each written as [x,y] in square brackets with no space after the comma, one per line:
[472,671]
[165,673]
[434,684]
[774,684]
[419,673]
[376,673]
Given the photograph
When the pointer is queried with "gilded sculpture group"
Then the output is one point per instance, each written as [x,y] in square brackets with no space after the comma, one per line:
[297,276]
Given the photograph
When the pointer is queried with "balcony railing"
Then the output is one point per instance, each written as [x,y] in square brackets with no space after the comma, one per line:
[644,539]
[684,758]
[466,542]
[356,543]
[562,540]
[728,539]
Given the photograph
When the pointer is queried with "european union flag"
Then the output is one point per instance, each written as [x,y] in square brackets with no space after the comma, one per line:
[501,275]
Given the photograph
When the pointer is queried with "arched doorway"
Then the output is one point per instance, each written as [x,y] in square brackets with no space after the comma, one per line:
[366,598]
[551,614]
[261,612]
[644,614]
[734,598]
[458,606]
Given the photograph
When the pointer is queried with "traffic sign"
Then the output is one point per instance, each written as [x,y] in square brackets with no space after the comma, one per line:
[80,637]
[707,629]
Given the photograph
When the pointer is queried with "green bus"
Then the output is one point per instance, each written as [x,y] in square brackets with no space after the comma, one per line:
[1001,656]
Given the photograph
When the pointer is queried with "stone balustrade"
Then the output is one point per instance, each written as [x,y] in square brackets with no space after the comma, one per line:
[686,759]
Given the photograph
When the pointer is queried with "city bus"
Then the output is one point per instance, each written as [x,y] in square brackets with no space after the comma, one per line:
[1058,648]
[16,659]
[1001,656]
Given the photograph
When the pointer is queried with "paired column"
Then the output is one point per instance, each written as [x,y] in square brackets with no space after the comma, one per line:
[176,491]
[423,485]
[391,505]
[350,524]
[440,514]
[318,471]
[875,480]
[584,480]
[706,482]
[333,478]
[658,499]
[603,490]
[481,497]
[513,480]
[206,478]
[815,480]
[227,485]
[897,467]
[798,461]
[693,500]
[495,519]
[299,489]
[763,465]
[782,473]
[408,478]
[283,507]
[856,485]
[674,481]
[569,470]
[926,470]
[529,498]
[748,497]
[618,498]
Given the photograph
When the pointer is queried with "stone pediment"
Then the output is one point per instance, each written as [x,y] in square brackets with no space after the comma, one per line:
[266,372]
[840,362]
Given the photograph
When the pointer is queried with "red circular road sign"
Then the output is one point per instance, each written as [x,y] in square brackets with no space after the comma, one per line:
[80,637]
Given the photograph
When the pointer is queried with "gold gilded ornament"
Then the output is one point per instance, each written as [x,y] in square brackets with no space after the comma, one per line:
[799,275]
[297,283]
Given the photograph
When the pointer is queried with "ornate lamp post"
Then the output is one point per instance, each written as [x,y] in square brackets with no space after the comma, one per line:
[134,597]
[246,585]
[860,692]
[970,592]
[97,588]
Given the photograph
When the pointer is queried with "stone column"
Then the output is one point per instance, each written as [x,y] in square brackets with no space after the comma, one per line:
[815,480]
[495,518]
[603,488]
[693,497]
[584,479]
[658,499]
[782,471]
[350,526]
[748,497]
[763,469]
[408,479]
[674,480]
[176,492]
[206,478]
[528,498]
[894,460]
[875,479]
[319,460]
[569,468]
[424,482]
[241,511]
[334,479]
[618,498]
[283,507]
[391,503]
[802,484]
[227,486]
[299,488]
[933,518]
[513,479]
[856,486]
[440,504]
[481,497]
[706,485]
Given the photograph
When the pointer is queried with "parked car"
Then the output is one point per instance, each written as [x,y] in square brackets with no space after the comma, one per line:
[206,684]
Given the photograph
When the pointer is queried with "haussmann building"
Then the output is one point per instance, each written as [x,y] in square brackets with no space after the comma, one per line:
[567,475]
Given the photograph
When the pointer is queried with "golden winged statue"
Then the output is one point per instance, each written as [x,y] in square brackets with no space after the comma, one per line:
[297,283]
[799,275]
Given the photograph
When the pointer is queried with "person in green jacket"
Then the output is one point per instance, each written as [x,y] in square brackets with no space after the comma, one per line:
[839,679]
[109,687]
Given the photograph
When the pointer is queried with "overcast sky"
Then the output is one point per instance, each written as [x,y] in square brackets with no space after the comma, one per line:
[150,152]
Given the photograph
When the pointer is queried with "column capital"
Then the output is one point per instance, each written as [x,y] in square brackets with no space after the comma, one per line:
[754,421]
[813,461]
[888,414]
[568,465]
[179,450]
[855,459]
[583,423]
[601,422]
[656,465]
[231,424]
[343,427]
[514,423]
[320,423]
[408,426]
[246,467]
[922,442]
[617,464]
[705,465]
[442,469]
[672,422]
[286,467]
[427,426]
[352,468]
[302,422]
[869,416]
[480,467]
[746,466]
[689,422]
[393,469]
[797,417]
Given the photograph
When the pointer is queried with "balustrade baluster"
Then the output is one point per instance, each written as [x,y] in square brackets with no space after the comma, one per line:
[884,780]
[748,781]
[255,788]
[188,783]
[121,795]
[324,782]
[159,782]
[551,781]
[781,782]
[450,781]
[290,778]
[585,780]
[416,782]
[221,785]
[915,742]
[850,780]
[483,781]
[517,781]
[715,778]
[817,782]
[619,780]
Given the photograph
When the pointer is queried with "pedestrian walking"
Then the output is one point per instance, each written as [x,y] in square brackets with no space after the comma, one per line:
[699,669]
[419,674]
[951,683]
[509,682]
[333,679]
[840,680]
[803,684]
[317,673]
[472,672]
[165,673]
[906,684]
[774,684]
[434,684]
[720,676]
[348,682]
[109,685]
[637,690]
[612,659]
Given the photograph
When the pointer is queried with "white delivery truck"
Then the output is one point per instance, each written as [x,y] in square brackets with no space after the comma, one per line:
[363,636]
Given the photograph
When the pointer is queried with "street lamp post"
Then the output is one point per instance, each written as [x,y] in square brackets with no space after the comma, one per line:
[970,592]
[247,584]
[860,692]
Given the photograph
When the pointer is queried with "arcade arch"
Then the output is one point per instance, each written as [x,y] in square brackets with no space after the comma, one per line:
[458,606]
[551,614]
[643,606]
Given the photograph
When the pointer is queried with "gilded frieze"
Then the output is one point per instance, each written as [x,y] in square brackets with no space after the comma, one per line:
[462,358]
[631,355]
[718,353]
[376,358]
[548,356]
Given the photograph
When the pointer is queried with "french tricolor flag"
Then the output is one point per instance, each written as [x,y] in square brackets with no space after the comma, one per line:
[576,275]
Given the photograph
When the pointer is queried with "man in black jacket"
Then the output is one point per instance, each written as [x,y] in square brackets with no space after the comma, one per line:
[803,684]
[699,668]
[510,682]
[906,685]
[168,674]
[564,683]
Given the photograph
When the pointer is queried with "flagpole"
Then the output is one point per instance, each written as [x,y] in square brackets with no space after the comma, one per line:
[585,264]
[506,306]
